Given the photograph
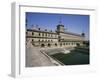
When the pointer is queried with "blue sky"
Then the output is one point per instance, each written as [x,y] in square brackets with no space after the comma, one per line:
[72,22]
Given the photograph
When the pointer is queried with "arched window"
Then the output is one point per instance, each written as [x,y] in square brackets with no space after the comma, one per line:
[49,45]
[45,34]
[42,40]
[42,45]
[51,35]
[48,40]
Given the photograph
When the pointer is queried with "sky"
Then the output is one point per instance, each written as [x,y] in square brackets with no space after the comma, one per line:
[72,22]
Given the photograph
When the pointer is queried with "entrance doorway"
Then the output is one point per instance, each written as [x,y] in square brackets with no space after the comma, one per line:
[42,45]
[55,44]
[49,45]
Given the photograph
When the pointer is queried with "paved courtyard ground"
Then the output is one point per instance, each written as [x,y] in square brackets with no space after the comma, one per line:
[34,58]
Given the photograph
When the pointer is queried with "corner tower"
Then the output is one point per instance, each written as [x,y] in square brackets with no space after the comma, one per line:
[60,27]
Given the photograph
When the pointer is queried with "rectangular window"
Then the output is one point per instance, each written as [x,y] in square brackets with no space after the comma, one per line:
[46,34]
[63,43]
[42,34]
[55,36]
[39,34]
[32,33]
[51,35]
[32,40]
[26,33]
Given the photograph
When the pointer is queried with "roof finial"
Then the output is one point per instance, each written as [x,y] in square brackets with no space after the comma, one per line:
[83,34]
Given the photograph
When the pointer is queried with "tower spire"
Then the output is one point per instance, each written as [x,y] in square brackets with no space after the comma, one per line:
[60,21]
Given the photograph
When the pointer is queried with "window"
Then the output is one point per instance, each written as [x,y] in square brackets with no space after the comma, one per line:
[59,40]
[55,44]
[60,44]
[51,35]
[26,39]
[46,34]
[48,40]
[39,34]
[39,40]
[42,34]
[55,36]
[42,40]
[26,32]
[32,33]
[32,40]
[59,37]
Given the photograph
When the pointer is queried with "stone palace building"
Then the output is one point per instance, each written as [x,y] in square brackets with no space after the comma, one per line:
[59,38]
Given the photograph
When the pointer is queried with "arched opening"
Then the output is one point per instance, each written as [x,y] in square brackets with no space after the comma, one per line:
[49,45]
[63,43]
[42,45]
[78,44]
[55,44]
[33,44]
